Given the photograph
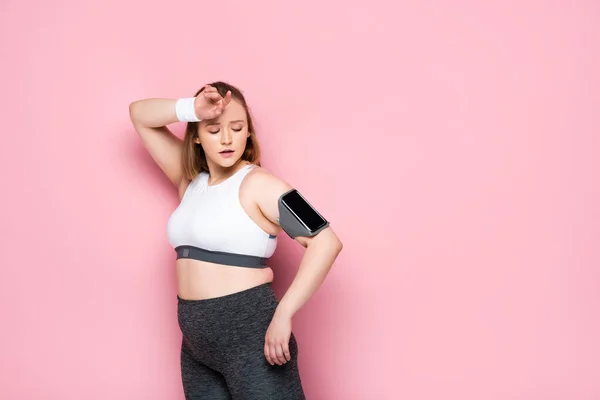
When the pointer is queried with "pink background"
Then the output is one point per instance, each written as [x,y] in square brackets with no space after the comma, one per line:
[453,145]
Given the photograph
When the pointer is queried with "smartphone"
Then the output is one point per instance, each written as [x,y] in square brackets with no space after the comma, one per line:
[303,211]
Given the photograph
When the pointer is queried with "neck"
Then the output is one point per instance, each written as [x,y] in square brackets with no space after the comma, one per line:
[219,173]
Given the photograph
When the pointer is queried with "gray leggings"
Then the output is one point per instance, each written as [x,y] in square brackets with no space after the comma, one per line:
[222,349]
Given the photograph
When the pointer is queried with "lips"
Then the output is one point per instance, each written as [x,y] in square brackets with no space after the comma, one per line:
[226,153]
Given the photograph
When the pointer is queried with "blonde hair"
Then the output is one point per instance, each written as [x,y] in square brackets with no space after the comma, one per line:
[193,158]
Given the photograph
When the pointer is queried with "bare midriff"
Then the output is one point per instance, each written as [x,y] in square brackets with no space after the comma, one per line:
[199,280]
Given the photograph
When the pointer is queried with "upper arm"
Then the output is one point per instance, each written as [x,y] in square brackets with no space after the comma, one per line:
[268,190]
[165,149]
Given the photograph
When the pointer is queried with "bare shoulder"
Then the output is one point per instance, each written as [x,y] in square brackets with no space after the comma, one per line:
[263,180]
[265,189]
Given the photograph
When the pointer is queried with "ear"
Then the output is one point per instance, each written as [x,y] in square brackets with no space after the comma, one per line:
[197,135]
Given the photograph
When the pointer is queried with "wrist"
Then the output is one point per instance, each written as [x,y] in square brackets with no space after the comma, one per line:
[283,311]
[186,110]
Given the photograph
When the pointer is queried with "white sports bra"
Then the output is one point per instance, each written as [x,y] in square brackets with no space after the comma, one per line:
[210,224]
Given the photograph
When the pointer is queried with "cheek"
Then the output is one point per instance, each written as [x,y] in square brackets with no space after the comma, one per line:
[210,141]
[242,137]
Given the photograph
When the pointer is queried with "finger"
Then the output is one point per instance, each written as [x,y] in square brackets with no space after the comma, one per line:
[214,97]
[227,98]
[286,351]
[210,94]
[274,355]
[267,354]
[280,356]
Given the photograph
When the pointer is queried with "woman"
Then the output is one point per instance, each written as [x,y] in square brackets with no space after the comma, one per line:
[237,336]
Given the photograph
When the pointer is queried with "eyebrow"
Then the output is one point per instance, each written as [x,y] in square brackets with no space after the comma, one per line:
[232,122]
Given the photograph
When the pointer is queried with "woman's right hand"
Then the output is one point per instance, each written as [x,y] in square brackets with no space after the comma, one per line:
[209,103]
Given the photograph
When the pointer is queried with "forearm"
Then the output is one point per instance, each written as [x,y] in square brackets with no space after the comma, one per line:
[318,259]
[153,112]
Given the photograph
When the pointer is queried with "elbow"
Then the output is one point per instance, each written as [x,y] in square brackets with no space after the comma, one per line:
[133,110]
[338,245]
[334,242]
[326,240]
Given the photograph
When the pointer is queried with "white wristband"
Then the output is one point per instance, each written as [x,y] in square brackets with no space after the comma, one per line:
[184,108]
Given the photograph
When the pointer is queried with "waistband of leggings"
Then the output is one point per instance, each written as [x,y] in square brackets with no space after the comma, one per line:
[262,290]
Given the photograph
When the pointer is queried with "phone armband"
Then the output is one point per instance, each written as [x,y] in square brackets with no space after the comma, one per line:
[297,217]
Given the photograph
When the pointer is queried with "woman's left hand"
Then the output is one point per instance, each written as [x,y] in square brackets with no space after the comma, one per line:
[277,339]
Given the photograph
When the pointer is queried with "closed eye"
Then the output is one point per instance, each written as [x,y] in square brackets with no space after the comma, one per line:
[217,131]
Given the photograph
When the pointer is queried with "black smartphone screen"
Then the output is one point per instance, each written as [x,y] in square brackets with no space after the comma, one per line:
[304,211]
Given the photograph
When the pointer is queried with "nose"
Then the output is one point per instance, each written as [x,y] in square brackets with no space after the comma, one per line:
[226,137]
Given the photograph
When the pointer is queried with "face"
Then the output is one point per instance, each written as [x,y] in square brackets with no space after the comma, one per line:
[224,138]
